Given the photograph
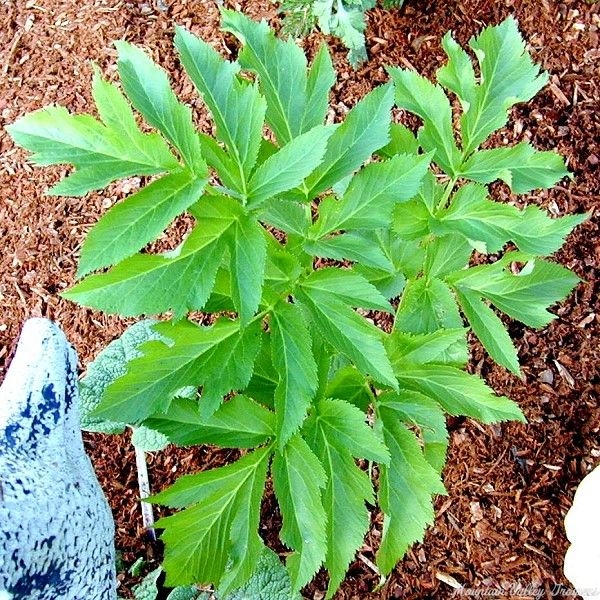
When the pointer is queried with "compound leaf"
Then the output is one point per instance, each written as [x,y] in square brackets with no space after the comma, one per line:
[238,423]
[293,359]
[219,357]
[488,225]
[406,488]
[373,192]
[139,219]
[147,86]
[236,106]
[99,154]
[521,167]
[508,76]
[298,478]
[540,235]
[151,283]
[216,538]
[427,100]
[336,431]
[524,295]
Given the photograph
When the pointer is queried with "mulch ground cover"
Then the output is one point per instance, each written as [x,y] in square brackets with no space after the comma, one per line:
[509,486]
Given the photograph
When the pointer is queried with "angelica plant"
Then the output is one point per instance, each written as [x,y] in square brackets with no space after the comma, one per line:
[295,368]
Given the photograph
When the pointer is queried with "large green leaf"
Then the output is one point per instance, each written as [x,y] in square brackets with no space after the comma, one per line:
[459,393]
[524,295]
[354,246]
[425,414]
[282,73]
[236,106]
[239,423]
[364,130]
[179,281]
[298,478]
[248,249]
[219,357]
[488,225]
[347,286]
[444,346]
[217,538]
[128,226]
[490,330]
[99,153]
[349,333]
[293,360]
[427,100]
[373,192]
[521,167]
[508,76]
[336,431]
[406,488]
[287,168]
[147,86]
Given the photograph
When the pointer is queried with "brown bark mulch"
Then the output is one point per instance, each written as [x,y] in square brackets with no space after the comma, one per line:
[509,486]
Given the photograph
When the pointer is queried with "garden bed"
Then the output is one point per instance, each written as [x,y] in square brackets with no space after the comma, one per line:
[510,485]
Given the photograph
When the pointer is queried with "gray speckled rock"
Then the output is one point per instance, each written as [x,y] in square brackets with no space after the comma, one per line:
[56,529]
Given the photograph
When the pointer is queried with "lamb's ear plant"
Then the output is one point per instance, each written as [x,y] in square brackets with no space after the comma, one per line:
[327,378]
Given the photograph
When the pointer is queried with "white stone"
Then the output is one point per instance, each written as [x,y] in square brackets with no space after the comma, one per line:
[56,528]
[582,524]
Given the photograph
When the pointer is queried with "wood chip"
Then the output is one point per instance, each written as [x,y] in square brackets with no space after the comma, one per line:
[564,373]
[558,93]
[448,580]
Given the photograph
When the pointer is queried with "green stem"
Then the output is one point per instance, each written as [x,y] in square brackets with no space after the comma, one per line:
[448,191]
